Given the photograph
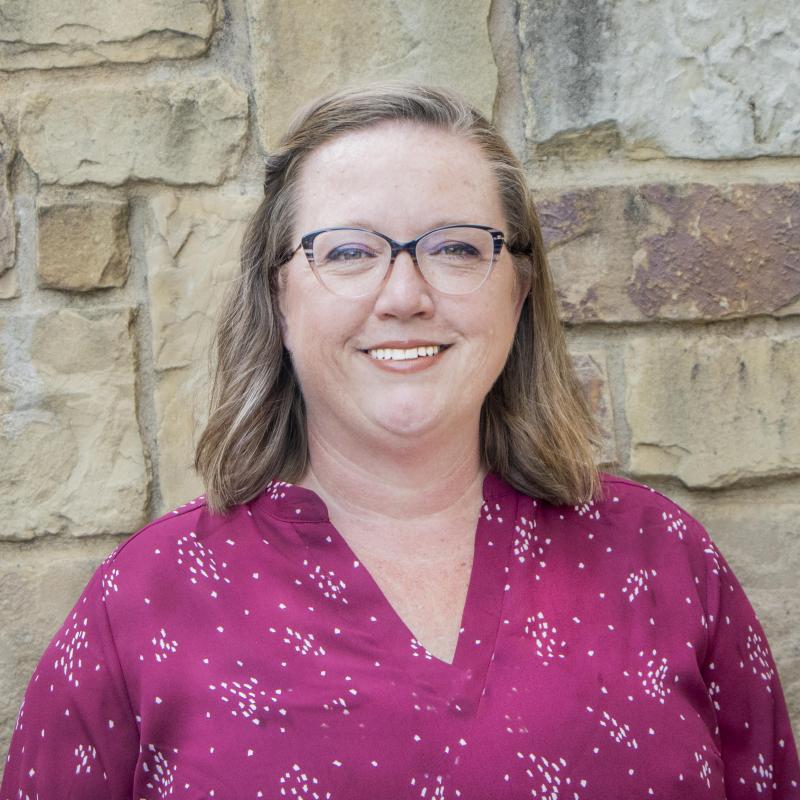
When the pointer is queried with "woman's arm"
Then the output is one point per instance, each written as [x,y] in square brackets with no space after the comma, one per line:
[757,745]
[76,735]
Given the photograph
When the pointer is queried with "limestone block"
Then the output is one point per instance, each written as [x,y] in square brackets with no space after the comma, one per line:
[39,34]
[186,130]
[72,456]
[295,59]
[701,80]
[192,251]
[711,409]
[630,254]
[37,590]
[8,235]
[591,370]
[83,246]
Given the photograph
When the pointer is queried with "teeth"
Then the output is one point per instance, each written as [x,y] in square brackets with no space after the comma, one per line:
[401,354]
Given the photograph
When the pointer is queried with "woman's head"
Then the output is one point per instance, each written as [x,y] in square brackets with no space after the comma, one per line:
[354,325]
[535,429]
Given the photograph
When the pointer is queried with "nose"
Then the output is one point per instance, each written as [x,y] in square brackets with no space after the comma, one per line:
[405,293]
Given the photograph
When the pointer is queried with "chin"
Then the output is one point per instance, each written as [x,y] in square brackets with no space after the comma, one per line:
[414,421]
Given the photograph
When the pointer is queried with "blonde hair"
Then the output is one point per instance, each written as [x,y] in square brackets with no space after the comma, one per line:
[536,430]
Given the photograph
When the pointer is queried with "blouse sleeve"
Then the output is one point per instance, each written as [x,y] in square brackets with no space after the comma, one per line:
[76,735]
[755,734]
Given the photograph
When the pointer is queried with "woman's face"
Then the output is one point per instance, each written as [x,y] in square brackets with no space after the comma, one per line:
[401,180]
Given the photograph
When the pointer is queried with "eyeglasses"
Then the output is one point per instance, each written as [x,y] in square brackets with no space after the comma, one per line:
[353,262]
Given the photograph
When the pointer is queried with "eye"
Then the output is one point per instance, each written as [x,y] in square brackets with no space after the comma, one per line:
[349,252]
[455,250]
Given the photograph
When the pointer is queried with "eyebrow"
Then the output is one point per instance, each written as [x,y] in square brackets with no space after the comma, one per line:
[441,223]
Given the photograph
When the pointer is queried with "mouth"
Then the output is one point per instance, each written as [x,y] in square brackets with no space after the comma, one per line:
[405,353]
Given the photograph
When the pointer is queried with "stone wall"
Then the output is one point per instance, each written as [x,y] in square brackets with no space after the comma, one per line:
[664,150]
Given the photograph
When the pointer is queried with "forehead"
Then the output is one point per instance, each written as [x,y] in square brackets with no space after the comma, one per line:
[398,173]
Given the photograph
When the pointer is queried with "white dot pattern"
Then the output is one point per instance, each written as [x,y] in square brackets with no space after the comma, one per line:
[604,650]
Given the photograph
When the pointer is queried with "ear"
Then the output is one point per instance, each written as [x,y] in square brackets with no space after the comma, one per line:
[523,288]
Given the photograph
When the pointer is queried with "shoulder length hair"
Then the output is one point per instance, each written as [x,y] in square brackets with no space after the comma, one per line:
[536,430]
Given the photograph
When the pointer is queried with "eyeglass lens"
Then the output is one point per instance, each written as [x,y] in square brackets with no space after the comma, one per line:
[353,262]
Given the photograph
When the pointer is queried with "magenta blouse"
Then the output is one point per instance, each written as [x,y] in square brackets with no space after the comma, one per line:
[606,651]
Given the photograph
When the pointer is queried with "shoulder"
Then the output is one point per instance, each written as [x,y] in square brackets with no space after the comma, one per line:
[183,539]
[633,518]
[623,499]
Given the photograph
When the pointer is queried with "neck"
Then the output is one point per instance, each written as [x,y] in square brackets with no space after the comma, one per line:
[407,483]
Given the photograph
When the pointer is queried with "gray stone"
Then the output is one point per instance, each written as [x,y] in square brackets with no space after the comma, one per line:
[8,234]
[704,80]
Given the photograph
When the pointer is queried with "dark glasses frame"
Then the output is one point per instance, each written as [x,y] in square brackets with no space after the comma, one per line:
[410,247]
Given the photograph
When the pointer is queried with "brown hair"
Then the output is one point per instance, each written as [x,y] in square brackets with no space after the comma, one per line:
[536,430]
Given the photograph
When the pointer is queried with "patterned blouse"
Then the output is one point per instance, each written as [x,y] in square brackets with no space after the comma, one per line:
[606,651]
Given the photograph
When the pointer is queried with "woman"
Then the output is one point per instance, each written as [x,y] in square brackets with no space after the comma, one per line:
[406,579]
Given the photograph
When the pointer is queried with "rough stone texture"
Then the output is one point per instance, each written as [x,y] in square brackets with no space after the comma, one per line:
[707,79]
[37,590]
[710,409]
[187,130]
[41,34]
[9,286]
[593,375]
[630,254]
[83,246]
[192,255]
[295,59]
[72,455]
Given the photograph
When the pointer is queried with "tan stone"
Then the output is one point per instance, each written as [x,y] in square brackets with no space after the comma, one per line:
[654,78]
[192,250]
[711,409]
[80,32]
[295,59]
[591,370]
[630,254]
[83,246]
[185,130]
[37,590]
[9,285]
[72,455]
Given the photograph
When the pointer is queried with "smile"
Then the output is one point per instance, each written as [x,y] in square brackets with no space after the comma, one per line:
[404,354]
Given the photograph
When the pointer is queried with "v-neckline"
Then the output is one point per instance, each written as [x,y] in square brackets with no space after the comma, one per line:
[481,614]
[397,620]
